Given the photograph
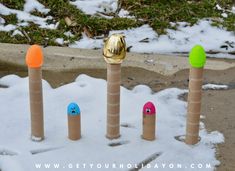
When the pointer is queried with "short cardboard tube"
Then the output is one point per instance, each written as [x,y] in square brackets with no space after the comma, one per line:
[149,126]
[74,127]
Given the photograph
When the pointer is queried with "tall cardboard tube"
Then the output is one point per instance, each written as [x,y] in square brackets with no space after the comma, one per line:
[34,61]
[194,105]
[36,103]
[113,100]
[197,60]
[149,121]
[114,53]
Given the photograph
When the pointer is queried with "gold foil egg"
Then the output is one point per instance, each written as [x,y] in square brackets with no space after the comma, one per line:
[114,49]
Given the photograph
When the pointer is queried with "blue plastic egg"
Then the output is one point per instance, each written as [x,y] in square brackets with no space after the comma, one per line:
[73,109]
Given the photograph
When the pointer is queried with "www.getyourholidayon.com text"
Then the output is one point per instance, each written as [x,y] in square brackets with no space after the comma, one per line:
[90,166]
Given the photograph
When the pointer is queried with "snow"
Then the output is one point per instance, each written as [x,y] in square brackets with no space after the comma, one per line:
[2,21]
[233,10]
[17,32]
[93,147]
[222,55]
[69,34]
[36,138]
[125,14]
[25,17]
[59,41]
[8,27]
[91,7]
[31,5]
[218,7]
[176,41]
[214,87]
[100,7]
[225,15]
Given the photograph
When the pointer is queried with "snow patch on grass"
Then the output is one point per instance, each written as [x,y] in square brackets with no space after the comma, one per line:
[60,41]
[101,7]
[17,32]
[32,5]
[24,17]
[145,40]
[91,7]
[8,27]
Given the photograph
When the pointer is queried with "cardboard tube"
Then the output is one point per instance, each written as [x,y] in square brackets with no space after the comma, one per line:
[74,127]
[74,122]
[36,103]
[194,105]
[113,100]
[34,61]
[114,53]
[149,121]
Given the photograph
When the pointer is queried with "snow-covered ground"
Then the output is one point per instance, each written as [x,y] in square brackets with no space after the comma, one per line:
[19,153]
[143,39]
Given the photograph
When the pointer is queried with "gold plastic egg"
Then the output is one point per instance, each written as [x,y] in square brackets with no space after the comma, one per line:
[114,50]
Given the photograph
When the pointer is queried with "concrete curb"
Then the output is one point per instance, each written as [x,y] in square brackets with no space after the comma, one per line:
[64,58]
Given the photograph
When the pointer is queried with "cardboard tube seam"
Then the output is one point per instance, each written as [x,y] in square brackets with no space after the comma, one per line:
[192,135]
[113,115]
[150,124]
[113,109]
[194,115]
[112,136]
[195,91]
[149,127]
[112,73]
[113,126]
[192,123]
[115,71]
[191,113]
[36,102]
[193,108]
[196,79]
[194,102]
[114,104]
[115,89]
[34,81]
[114,83]
[35,92]
[36,114]
[113,94]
